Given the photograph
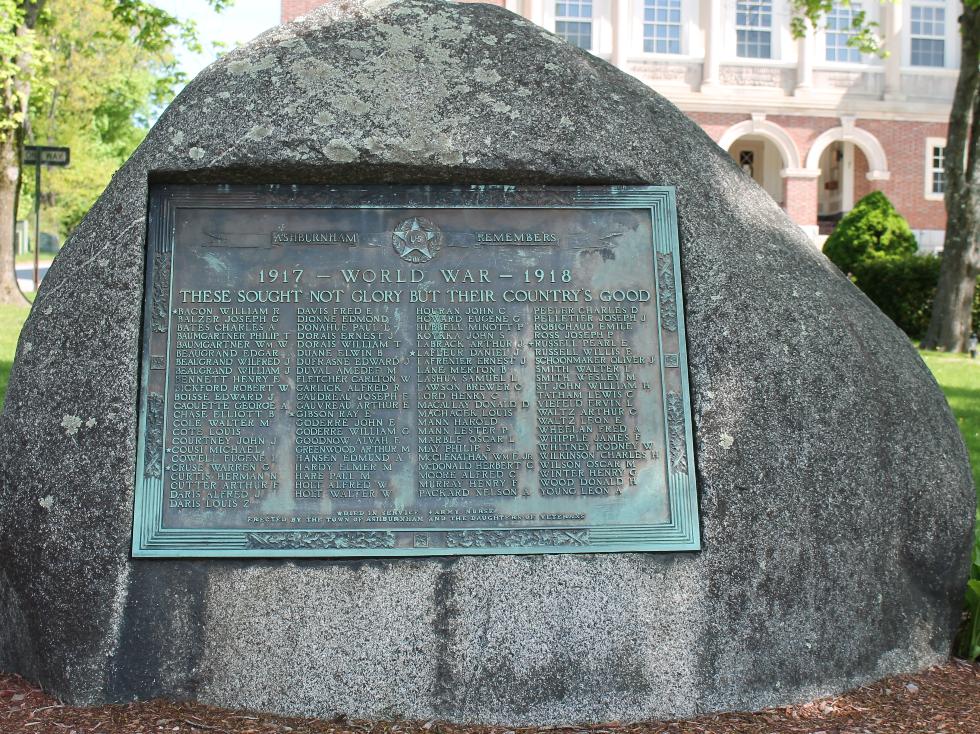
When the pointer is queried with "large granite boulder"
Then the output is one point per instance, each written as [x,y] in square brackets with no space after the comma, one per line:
[836,497]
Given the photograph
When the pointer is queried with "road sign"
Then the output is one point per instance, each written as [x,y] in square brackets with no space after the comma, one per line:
[37,156]
[46,155]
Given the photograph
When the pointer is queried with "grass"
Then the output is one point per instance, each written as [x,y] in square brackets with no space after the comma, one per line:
[959,376]
[11,320]
[27,258]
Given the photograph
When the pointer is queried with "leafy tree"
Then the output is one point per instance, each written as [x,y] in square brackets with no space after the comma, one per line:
[103,91]
[871,229]
[22,65]
[809,14]
[949,324]
[37,69]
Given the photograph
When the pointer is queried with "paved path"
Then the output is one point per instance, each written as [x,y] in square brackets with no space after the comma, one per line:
[25,274]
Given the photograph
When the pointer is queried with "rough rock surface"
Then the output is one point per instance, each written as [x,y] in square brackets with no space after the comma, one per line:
[836,497]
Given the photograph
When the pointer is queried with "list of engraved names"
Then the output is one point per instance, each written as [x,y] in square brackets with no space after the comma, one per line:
[344,379]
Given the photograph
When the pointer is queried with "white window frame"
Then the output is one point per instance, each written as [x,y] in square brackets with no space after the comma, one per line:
[681,24]
[867,63]
[930,144]
[774,29]
[951,44]
[825,33]
[552,19]
[783,44]
[692,34]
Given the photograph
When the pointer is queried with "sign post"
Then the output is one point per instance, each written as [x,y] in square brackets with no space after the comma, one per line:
[48,156]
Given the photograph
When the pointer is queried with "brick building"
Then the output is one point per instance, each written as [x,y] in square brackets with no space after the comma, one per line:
[816,123]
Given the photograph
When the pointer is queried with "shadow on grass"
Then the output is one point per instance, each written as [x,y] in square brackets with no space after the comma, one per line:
[4,376]
[965,400]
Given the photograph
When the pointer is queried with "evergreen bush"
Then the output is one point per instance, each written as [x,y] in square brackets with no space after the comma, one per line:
[873,228]
[903,288]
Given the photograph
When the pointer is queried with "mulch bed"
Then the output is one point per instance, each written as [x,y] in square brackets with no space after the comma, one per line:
[945,699]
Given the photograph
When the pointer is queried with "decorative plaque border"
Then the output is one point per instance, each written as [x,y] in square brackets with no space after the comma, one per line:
[151,539]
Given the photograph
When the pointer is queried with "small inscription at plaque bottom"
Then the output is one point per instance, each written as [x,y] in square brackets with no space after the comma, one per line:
[384,371]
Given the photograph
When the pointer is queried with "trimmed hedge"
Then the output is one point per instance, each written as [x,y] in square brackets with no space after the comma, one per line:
[903,288]
[873,228]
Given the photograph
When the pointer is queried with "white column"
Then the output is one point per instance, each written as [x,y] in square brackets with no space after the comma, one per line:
[847,177]
[805,51]
[621,39]
[893,16]
[534,11]
[711,23]
[513,6]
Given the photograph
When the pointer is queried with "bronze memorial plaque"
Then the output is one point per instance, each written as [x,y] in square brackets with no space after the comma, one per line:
[427,370]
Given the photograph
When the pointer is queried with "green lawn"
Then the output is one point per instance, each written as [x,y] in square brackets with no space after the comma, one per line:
[959,377]
[27,258]
[11,319]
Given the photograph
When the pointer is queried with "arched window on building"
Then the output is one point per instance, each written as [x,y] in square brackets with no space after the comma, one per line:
[760,158]
[842,182]
[764,151]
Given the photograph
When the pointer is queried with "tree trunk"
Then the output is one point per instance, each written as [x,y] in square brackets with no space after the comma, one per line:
[949,324]
[9,183]
[954,299]
[15,101]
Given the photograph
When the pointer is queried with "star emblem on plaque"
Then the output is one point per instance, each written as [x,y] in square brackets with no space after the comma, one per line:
[417,240]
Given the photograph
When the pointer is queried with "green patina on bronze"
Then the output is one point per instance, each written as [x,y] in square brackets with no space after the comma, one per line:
[406,371]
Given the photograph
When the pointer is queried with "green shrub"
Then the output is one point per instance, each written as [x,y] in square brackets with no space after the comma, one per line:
[903,288]
[871,229]
[969,642]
